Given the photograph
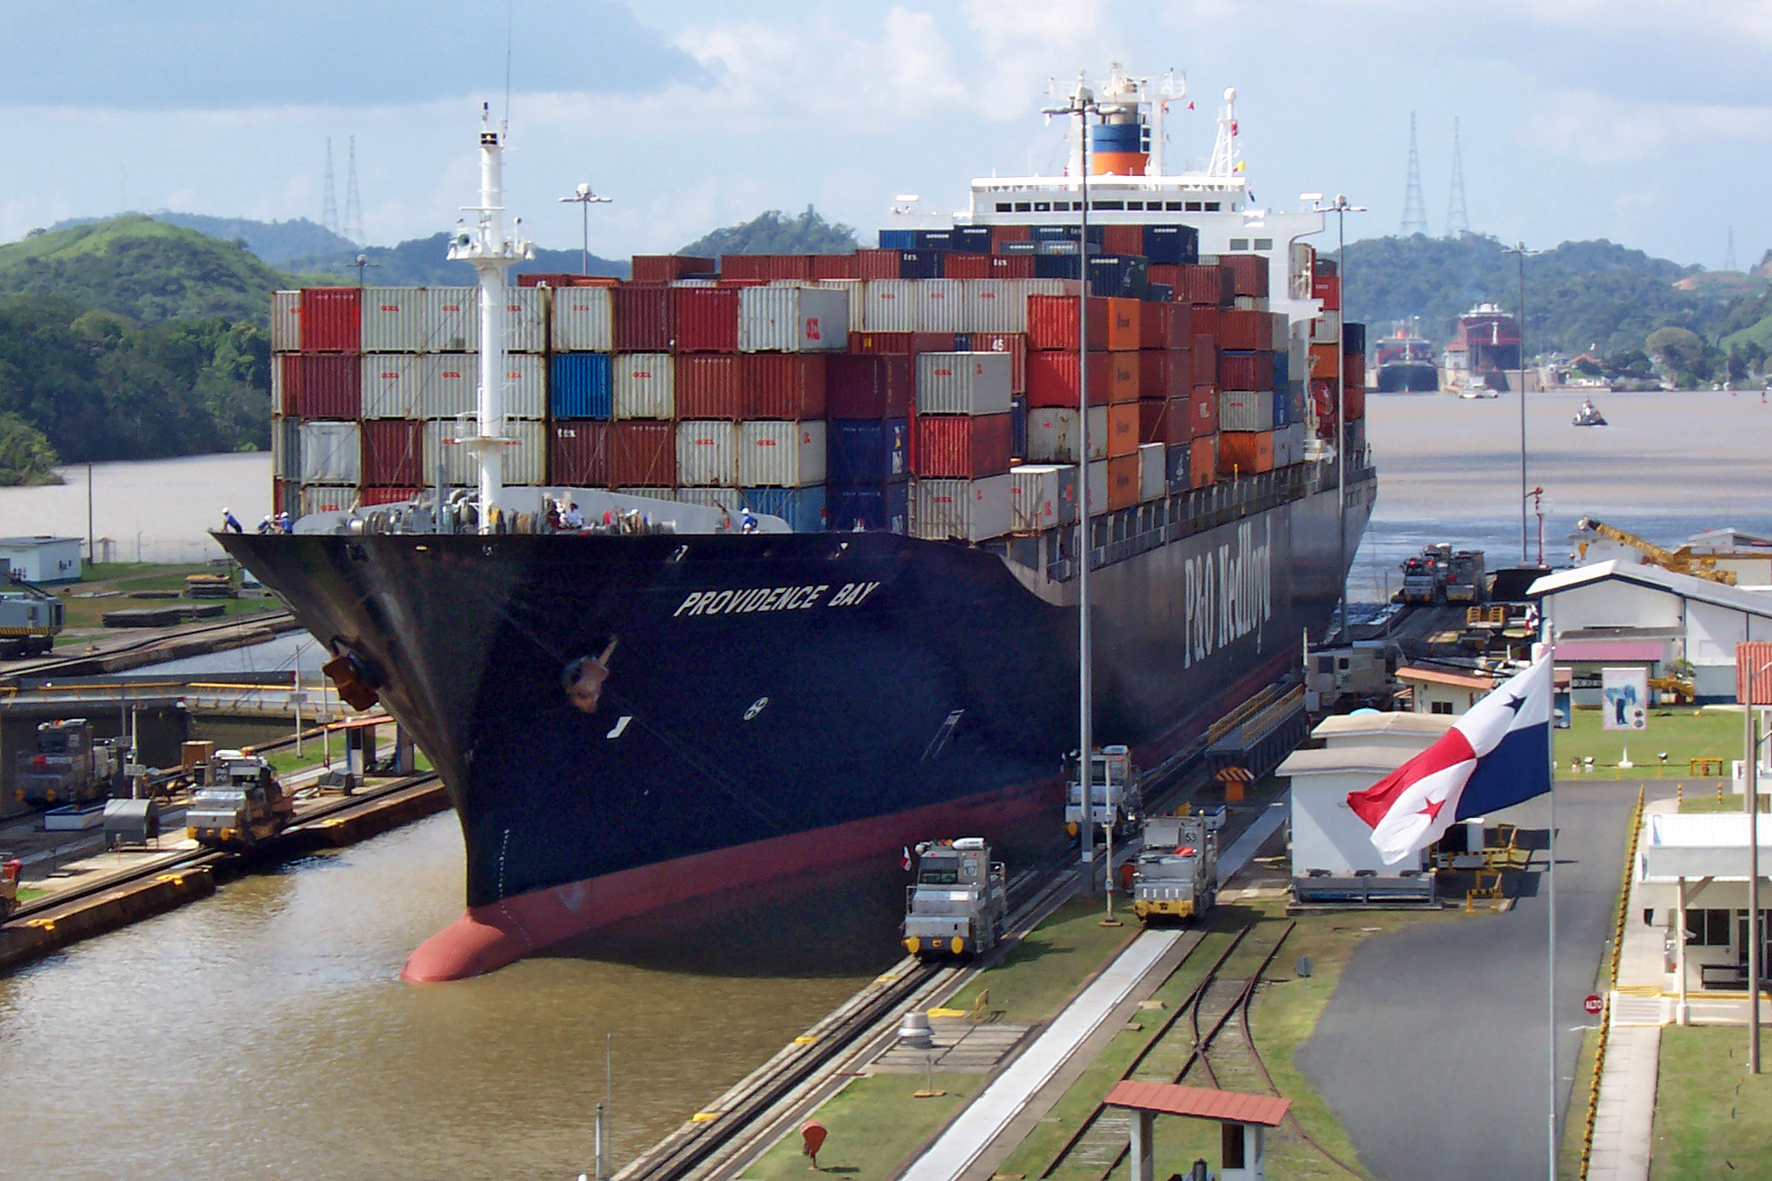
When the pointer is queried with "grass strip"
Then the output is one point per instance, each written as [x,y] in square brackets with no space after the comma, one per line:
[1712,1119]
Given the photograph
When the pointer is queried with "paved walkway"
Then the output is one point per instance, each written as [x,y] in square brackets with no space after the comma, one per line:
[977,1127]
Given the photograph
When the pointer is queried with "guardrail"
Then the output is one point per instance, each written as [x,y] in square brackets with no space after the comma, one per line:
[1623,909]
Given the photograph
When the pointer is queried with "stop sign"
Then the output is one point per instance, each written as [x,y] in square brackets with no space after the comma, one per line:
[1593,1004]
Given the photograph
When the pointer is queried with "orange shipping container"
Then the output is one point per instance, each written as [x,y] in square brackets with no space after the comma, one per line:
[1052,379]
[1123,376]
[1322,362]
[1052,322]
[1239,329]
[1123,434]
[1125,324]
[1202,461]
[1205,359]
[1122,480]
[1204,413]
[1245,452]
[1356,370]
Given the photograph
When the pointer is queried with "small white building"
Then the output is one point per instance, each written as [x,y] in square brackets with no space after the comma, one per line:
[1643,603]
[1691,871]
[43,559]
[1438,691]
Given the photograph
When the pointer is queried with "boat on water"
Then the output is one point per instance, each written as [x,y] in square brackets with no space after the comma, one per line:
[1588,414]
[710,686]
[1406,364]
[1484,349]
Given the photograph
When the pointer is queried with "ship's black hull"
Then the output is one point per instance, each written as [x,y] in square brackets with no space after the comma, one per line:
[779,698]
[1407,377]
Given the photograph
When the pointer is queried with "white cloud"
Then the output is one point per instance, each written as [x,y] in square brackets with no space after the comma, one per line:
[1597,129]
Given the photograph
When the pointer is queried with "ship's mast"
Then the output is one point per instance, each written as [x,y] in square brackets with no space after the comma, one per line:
[1224,148]
[491,253]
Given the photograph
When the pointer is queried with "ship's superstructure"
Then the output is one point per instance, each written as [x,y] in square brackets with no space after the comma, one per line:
[1485,349]
[780,564]
[1405,362]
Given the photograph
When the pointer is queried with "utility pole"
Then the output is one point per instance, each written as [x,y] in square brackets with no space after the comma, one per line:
[1341,209]
[1519,250]
[584,199]
[1414,205]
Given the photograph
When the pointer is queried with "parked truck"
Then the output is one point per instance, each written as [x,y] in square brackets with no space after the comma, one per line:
[959,902]
[30,619]
[1464,578]
[1116,793]
[242,804]
[1177,871]
[69,766]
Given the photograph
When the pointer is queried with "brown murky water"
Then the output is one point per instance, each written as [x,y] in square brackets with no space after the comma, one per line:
[264,1032]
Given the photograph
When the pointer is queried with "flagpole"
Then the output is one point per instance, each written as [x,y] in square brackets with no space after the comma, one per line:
[1550,986]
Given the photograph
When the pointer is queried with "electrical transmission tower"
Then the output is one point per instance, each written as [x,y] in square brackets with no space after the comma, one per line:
[329,199]
[1729,252]
[1457,218]
[1414,207]
[353,227]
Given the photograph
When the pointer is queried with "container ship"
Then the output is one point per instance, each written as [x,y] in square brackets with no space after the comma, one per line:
[1405,364]
[826,600]
[1486,346]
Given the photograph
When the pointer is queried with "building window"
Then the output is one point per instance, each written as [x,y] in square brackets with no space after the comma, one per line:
[1027,207]
[1004,207]
[1107,205]
[1192,207]
[1043,207]
[1439,707]
[1237,244]
[1260,244]
[1061,206]
[1212,206]
[1129,205]
[1174,206]
[1709,928]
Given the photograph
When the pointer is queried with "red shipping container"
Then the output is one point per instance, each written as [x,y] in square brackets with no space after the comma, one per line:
[938,342]
[860,385]
[1122,429]
[1328,289]
[1203,416]
[766,266]
[640,315]
[1012,266]
[1246,371]
[966,266]
[1245,452]
[1052,322]
[709,385]
[1202,461]
[963,446]
[1249,278]
[1123,374]
[1153,419]
[640,454]
[877,264]
[325,386]
[783,385]
[724,281]
[1002,234]
[1122,239]
[1323,402]
[1169,275]
[1013,343]
[1165,373]
[662,268]
[1166,326]
[331,319]
[393,451]
[705,319]
[1239,329]
[578,454]
[1205,321]
[372,496]
[881,342]
[1052,379]
[1356,401]
[1205,360]
[1353,367]
[546,279]
[291,375]
[1205,284]
[835,266]
[1122,480]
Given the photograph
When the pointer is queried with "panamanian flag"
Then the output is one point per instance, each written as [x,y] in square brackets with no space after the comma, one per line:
[1496,755]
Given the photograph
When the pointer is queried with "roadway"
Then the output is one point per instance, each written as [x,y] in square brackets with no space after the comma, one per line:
[1432,1050]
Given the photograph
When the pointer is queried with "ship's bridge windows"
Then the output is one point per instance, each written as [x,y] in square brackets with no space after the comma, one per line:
[1042,207]
[1192,206]
[1212,206]
[1024,206]
[1004,207]
[1172,206]
[1107,204]
[1135,204]
[1264,243]
[1239,245]
[1061,206]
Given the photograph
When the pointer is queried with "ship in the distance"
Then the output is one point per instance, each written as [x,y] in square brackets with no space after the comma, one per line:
[662,706]
[1405,364]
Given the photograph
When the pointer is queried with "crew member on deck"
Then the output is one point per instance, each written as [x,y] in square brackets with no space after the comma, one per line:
[229,522]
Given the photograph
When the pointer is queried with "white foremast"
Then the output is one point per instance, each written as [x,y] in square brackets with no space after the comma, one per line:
[491,253]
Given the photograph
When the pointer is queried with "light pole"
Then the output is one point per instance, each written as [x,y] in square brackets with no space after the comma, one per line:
[1341,209]
[1519,249]
[584,199]
[1751,791]
[1079,106]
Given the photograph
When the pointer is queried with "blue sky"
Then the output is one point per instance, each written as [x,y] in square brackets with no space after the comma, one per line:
[1646,123]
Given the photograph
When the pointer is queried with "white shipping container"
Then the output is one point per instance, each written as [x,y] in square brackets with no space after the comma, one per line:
[448,384]
[970,510]
[1098,487]
[525,460]
[940,305]
[1153,483]
[392,383]
[330,453]
[327,498]
[650,493]
[452,320]
[890,306]
[1046,287]
[645,386]
[855,291]
[1326,328]
[995,305]
[285,322]
[1052,434]
[963,383]
[393,319]
[781,454]
[285,448]
[1042,496]
[792,320]
[1245,410]
[526,319]
[582,321]
[729,499]
[526,386]
[707,453]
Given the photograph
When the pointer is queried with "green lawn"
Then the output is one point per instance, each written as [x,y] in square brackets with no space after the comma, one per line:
[1711,1118]
[873,1125]
[1682,732]
[1037,975]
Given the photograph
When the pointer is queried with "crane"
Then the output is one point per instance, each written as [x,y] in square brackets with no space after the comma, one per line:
[1680,561]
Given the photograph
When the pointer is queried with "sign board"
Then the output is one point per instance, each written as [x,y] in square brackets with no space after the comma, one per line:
[1624,699]
[1593,1005]
[1562,708]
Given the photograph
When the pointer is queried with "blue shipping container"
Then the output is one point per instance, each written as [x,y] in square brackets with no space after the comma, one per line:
[898,239]
[1172,245]
[579,385]
[1282,369]
[1282,409]
[1175,469]
[937,240]
[1057,266]
[973,239]
[1127,276]
[1069,232]
[1018,427]
[883,508]
[920,264]
[866,450]
[1028,247]
[1159,293]
[802,508]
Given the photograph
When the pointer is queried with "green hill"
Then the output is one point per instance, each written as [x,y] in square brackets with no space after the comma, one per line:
[424,262]
[772,233]
[276,242]
[143,269]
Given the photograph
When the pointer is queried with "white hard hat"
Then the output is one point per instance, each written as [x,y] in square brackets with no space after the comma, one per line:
[224,510]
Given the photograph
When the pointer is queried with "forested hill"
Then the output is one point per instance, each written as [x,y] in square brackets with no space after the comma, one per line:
[1580,297]
[772,233]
